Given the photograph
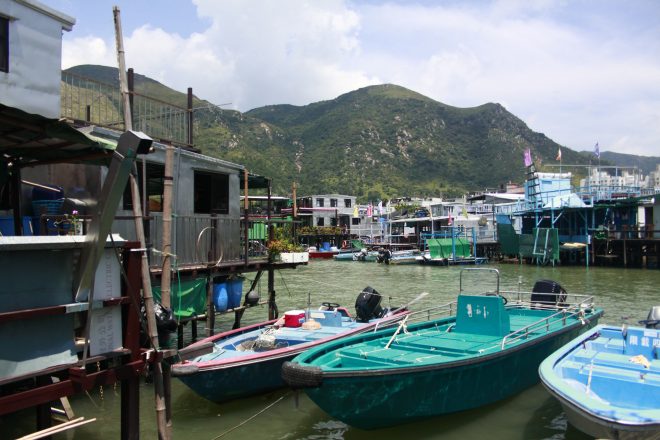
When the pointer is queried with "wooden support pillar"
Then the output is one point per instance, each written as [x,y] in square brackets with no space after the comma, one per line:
[130,408]
[210,309]
[246,215]
[44,419]
[272,305]
[179,336]
[193,330]
[625,251]
[16,200]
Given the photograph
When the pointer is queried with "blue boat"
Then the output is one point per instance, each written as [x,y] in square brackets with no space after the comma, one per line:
[481,349]
[608,381]
[248,361]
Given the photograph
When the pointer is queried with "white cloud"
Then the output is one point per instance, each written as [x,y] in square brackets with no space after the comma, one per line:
[567,71]
[86,50]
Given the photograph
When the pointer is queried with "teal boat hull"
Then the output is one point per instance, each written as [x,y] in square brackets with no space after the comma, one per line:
[380,399]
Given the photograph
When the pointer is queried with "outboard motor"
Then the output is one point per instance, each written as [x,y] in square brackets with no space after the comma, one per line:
[367,305]
[653,320]
[548,293]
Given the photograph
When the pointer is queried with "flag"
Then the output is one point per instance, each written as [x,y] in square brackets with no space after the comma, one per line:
[464,212]
[597,150]
[369,210]
[380,208]
[449,220]
[528,157]
[559,155]
[355,211]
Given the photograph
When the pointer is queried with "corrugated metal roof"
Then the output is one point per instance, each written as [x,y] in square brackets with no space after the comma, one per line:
[28,139]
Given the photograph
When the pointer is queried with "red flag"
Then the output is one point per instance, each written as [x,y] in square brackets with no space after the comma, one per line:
[559,155]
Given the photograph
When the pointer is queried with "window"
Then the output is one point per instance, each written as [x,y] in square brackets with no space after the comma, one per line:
[319,203]
[347,203]
[355,220]
[155,173]
[333,203]
[211,193]
[320,221]
[4,44]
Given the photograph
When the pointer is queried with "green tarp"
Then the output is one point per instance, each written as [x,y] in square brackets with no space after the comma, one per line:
[188,298]
[257,232]
[357,244]
[542,244]
[509,244]
[444,247]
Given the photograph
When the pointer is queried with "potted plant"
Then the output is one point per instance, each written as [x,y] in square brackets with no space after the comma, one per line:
[286,251]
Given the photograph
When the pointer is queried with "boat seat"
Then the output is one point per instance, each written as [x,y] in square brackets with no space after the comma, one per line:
[482,315]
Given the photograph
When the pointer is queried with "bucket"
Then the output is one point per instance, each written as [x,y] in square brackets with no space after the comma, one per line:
[235,292]
[294,318]
[220,296]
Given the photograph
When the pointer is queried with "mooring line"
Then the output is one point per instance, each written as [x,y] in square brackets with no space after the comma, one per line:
[252,417]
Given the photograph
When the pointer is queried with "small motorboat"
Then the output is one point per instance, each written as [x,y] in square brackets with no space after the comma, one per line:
[608,380]
[248,361]
[477,350]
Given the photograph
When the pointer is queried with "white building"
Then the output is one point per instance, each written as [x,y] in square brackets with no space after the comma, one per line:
[30,56]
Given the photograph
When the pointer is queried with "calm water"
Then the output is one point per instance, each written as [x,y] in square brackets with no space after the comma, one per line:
[532,414]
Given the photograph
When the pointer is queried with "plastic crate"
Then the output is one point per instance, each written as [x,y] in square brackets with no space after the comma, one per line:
[47,207]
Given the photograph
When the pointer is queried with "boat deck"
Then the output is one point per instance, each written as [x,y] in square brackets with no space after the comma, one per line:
[613,370]
[440,343]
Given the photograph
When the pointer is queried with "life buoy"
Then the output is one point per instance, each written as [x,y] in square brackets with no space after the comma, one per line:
[344,244]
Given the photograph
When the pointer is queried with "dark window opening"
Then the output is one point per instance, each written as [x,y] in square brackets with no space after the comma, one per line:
[333,203]
[211,193]
[320,221]
[355,220]
[4,44]
[347,203]
[319,203]
[155,173]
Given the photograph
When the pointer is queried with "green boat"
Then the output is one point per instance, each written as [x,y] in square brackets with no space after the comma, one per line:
[477,350]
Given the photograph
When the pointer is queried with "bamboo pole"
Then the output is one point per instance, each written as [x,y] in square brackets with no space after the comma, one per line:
[163,431]
[167,228]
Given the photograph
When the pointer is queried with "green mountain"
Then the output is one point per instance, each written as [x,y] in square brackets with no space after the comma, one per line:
[376,142]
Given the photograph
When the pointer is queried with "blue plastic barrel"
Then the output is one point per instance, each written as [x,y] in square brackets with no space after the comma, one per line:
[220,296]
[326,246]
[7,226]
[235,292]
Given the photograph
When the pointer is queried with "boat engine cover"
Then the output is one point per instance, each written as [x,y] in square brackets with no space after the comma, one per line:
[367,305]
[548,292]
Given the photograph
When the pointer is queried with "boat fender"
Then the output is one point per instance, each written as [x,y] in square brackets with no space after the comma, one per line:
[344,244]
[301,376]
[184,369]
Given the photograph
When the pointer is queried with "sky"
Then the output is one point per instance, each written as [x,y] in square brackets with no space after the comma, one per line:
[579,71]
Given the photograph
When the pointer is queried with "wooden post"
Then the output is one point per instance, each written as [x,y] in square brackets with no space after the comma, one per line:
[163,431]
[190,116]
[272,306]
[210,309]
[167,228]
[246,215]
[16,200]
[294,211]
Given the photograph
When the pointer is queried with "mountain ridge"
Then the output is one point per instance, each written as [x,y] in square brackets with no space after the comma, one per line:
[375,142]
